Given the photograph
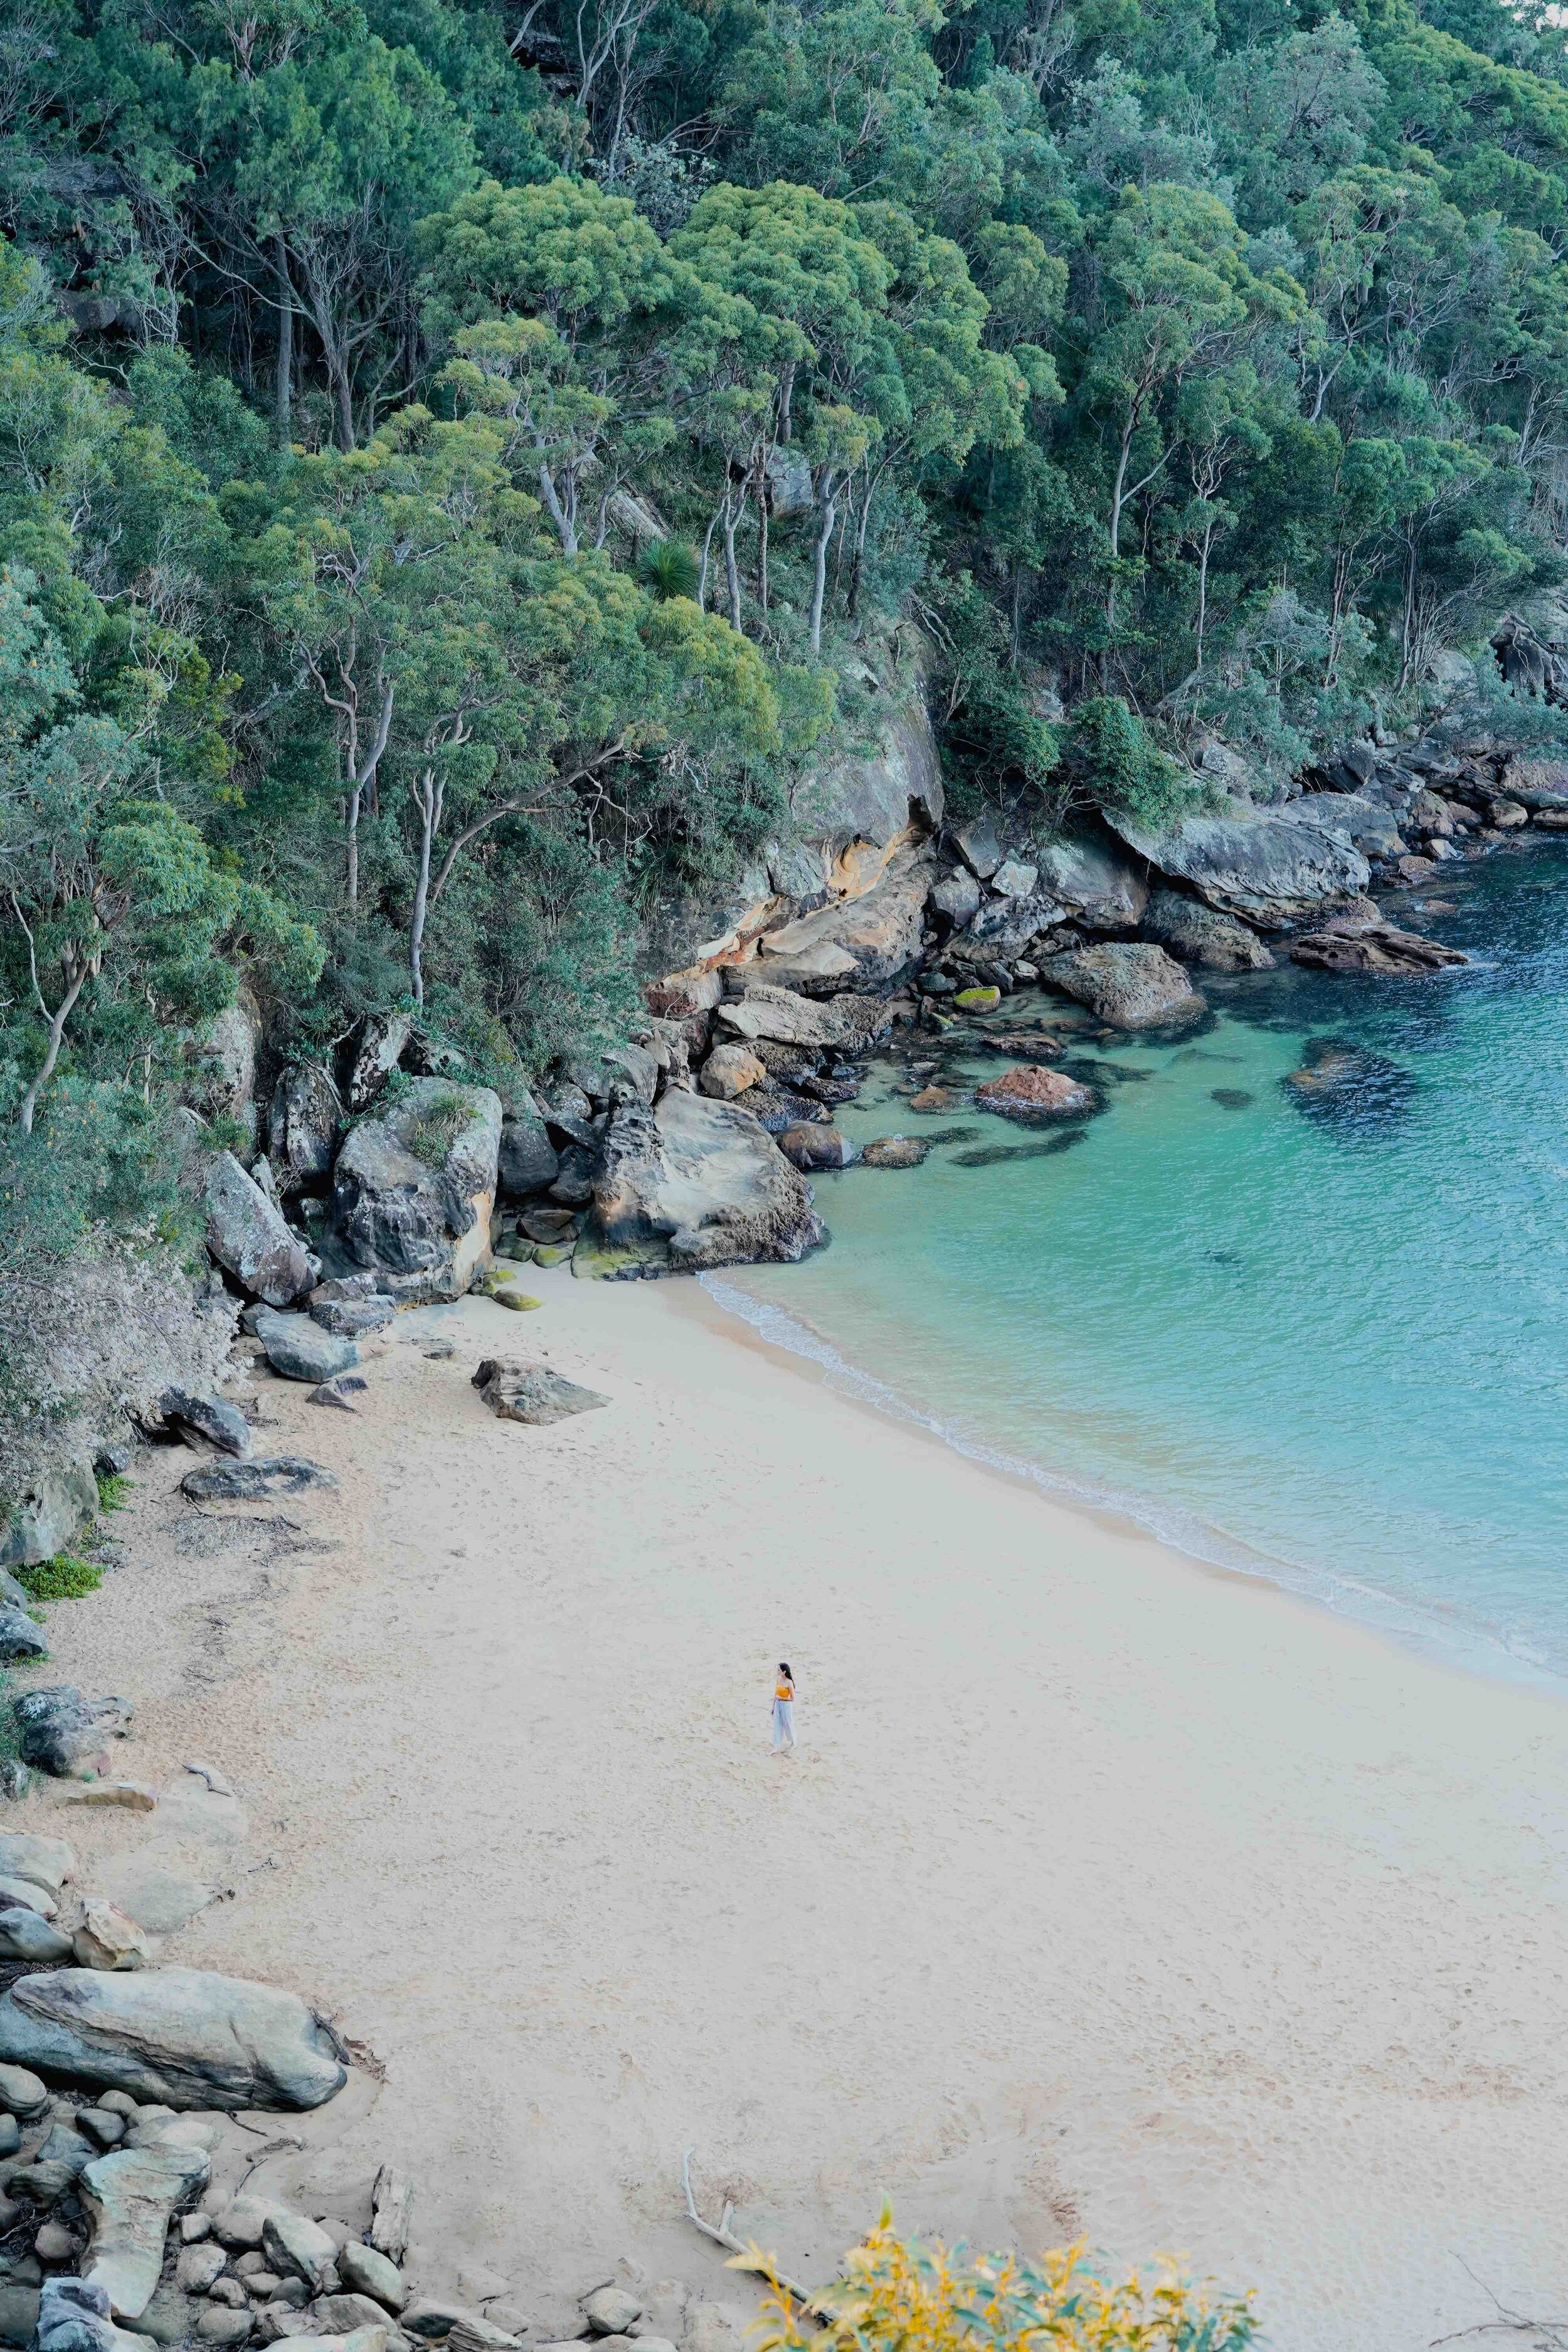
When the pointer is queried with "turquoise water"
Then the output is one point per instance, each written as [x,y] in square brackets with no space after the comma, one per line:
[1328,1344]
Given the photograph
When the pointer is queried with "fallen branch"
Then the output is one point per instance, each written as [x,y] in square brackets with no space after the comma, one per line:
[1548,2334]
[750,2255]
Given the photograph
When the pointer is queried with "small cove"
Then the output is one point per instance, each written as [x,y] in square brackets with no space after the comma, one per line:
[1325,1341]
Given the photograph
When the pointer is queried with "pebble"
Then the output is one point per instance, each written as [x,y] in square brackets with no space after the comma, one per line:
[120,2103]
[372,2274]
[14,1891]
[53,2243]
[218,2325]
[102,2125]
[250,2265]
[22,2093]
[229,2291]
[199,2267]
[195,2227]
[10,2135]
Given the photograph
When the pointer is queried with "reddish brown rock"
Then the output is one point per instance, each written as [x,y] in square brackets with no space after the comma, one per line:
[1352,944]
[814,1146]
[1034,1094]
[937,1099]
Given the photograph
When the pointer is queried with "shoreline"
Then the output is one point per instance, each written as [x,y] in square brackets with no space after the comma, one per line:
[1105,1895]
[1487,1656]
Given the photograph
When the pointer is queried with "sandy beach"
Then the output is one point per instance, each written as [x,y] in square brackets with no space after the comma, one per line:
[1104,1896]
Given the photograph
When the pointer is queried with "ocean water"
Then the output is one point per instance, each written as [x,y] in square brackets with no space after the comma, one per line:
[1324,1342]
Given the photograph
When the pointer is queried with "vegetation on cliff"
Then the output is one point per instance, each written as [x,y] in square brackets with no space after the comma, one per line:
[462,459]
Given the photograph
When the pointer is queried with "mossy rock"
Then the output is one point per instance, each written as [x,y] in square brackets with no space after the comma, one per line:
[978,1000]
[516,1247]
[553,1253]
[518,1300]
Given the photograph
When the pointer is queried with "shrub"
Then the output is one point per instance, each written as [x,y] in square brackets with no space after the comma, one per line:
[905,2295]
[63,1578]
[1116,764]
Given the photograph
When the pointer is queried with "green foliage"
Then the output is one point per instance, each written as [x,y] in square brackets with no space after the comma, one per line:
[1116,765]
[63,1578]
[114,1489]
[434,1127]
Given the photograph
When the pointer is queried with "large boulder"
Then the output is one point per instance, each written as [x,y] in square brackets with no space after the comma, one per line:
[303,1126]
[47,1513]
[65,1734]
[221,1067]
[130,2198]
[1197,934]
[246,1235]
[695,1184]
[299,1348]
[1271,867]
[527,1161]
[1100,890]
[956,896]
[767,1014]
[516,1390]
[872,942]
[376,1048]
[1131,983]
[415,1186]
[176,2037]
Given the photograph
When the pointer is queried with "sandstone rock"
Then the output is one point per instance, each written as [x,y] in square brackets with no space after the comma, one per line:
[239,2224]
[894,1151]
[19,1637]
[1034,1094]
[879,933]
[956,896]
[694,1185]
[221,1423]
[21,2093]
[1415,870]
[303,1126]
[1268,865]
[108,1939]
[248,1236]
[186,2036]
[259,1481]
[814,1145]
[414,1188]
[217,2324]
[980,847]
[53,2243]
[24,1936]
[875,797]
[528,1161]
[775,1015]
[1370,828]
[515,1391]
[298,1350]
[937,1099]
[1131,983]
[1198,934]
[101,2123]
[131,1796]
[129,2199]
[1099,888]
[683,996]
[610,2311]
[298,2248]
[1376,947]
[22,1890]
[372,2274]
[64,1734]
[340,2314]
[391,2206]
[350,1318]
[198,2266]
[728,1071]
[1015,879]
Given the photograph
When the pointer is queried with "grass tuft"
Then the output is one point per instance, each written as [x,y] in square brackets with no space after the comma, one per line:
[63,1578]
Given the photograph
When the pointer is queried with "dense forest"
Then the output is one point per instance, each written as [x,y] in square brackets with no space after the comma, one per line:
[461,463]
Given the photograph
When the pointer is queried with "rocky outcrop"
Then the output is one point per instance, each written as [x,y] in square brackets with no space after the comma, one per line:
[692,1184]
[221,1066]
[1197,934]
[776,1015]
[1271,867]
[1034,1094]
[515,1391]
[1131,983]
[1100,890]
[870,943]
[303,1126]
[181,2037]
[246,1236]
[880,794]
[415,1186]
[1353,943]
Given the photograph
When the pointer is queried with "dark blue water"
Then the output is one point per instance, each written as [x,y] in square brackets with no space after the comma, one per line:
[1329,1341]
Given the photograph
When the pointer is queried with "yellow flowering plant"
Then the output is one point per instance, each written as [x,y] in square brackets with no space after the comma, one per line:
[907,2295]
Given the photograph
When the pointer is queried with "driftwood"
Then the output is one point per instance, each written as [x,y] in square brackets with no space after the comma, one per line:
[722,2235]
[391,2204]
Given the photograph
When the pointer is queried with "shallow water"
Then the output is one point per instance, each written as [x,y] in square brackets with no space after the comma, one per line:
[1323,1340]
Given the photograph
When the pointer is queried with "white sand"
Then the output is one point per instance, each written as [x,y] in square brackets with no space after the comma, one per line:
[1104,1895]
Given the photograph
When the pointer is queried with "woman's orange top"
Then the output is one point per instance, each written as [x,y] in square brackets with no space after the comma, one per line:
[784,1690]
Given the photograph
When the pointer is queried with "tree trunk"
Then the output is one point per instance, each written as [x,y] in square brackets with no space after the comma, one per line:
[283,390]
[827,516]
[428,795]
[56,1031]
[343,394]
[733,511]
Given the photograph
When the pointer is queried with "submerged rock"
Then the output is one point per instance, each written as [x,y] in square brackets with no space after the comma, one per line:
[185,2037]
[1356,945]
[1200,934]
[1034,1094]
[1131,983]
[815,1144]
[1338,1076]
[895,1151]
[695,1184]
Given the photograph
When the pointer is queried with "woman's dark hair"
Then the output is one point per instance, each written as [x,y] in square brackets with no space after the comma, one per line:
[785,1672]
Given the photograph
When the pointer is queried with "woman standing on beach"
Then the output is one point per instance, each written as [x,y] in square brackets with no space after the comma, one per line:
[783,1709]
